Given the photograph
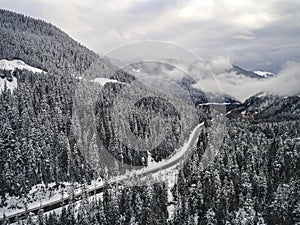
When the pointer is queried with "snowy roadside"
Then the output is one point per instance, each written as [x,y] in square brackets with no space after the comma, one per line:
[163,170]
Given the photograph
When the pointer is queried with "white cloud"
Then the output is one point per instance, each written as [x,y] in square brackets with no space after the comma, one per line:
[253,33]
[198,10]
[287,82]
[220,64]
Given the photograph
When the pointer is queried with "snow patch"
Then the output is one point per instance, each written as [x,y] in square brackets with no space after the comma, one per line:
[13,65]
[263,94]
[18,64]
[10,85]
[216,103]
[264,73]
[102,81]
[136,70]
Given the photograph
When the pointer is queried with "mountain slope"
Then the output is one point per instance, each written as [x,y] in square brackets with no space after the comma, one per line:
[258,74]
[264,106]
[36,145]
[40,44]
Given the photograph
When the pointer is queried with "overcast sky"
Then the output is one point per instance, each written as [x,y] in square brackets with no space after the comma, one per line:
[255,34]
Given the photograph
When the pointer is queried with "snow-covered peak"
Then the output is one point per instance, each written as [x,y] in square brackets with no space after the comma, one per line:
[17,64]
[264,73]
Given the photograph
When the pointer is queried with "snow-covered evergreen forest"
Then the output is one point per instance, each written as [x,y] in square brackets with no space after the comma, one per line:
[254,179]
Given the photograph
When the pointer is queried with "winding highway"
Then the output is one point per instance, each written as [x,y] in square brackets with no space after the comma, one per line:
[173,161]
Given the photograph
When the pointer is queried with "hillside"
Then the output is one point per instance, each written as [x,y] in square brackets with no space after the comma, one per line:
[36,113]
[268,107]
[41,44]
[63,99]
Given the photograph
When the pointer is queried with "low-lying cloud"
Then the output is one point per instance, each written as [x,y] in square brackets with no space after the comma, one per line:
[285,83]
[213,77]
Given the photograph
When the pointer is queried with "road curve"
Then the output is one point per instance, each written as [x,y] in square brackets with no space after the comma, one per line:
[174,160]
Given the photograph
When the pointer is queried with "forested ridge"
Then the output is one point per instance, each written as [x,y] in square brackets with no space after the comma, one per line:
[253,180]
[41,44]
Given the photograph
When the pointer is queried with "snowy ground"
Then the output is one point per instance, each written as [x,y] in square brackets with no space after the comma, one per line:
[214,103]
[17,64]
[12,65]
[103,81]
[166,171]
[10,85]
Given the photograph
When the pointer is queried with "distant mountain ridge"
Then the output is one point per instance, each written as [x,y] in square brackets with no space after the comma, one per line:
[258,74]
[268,106]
